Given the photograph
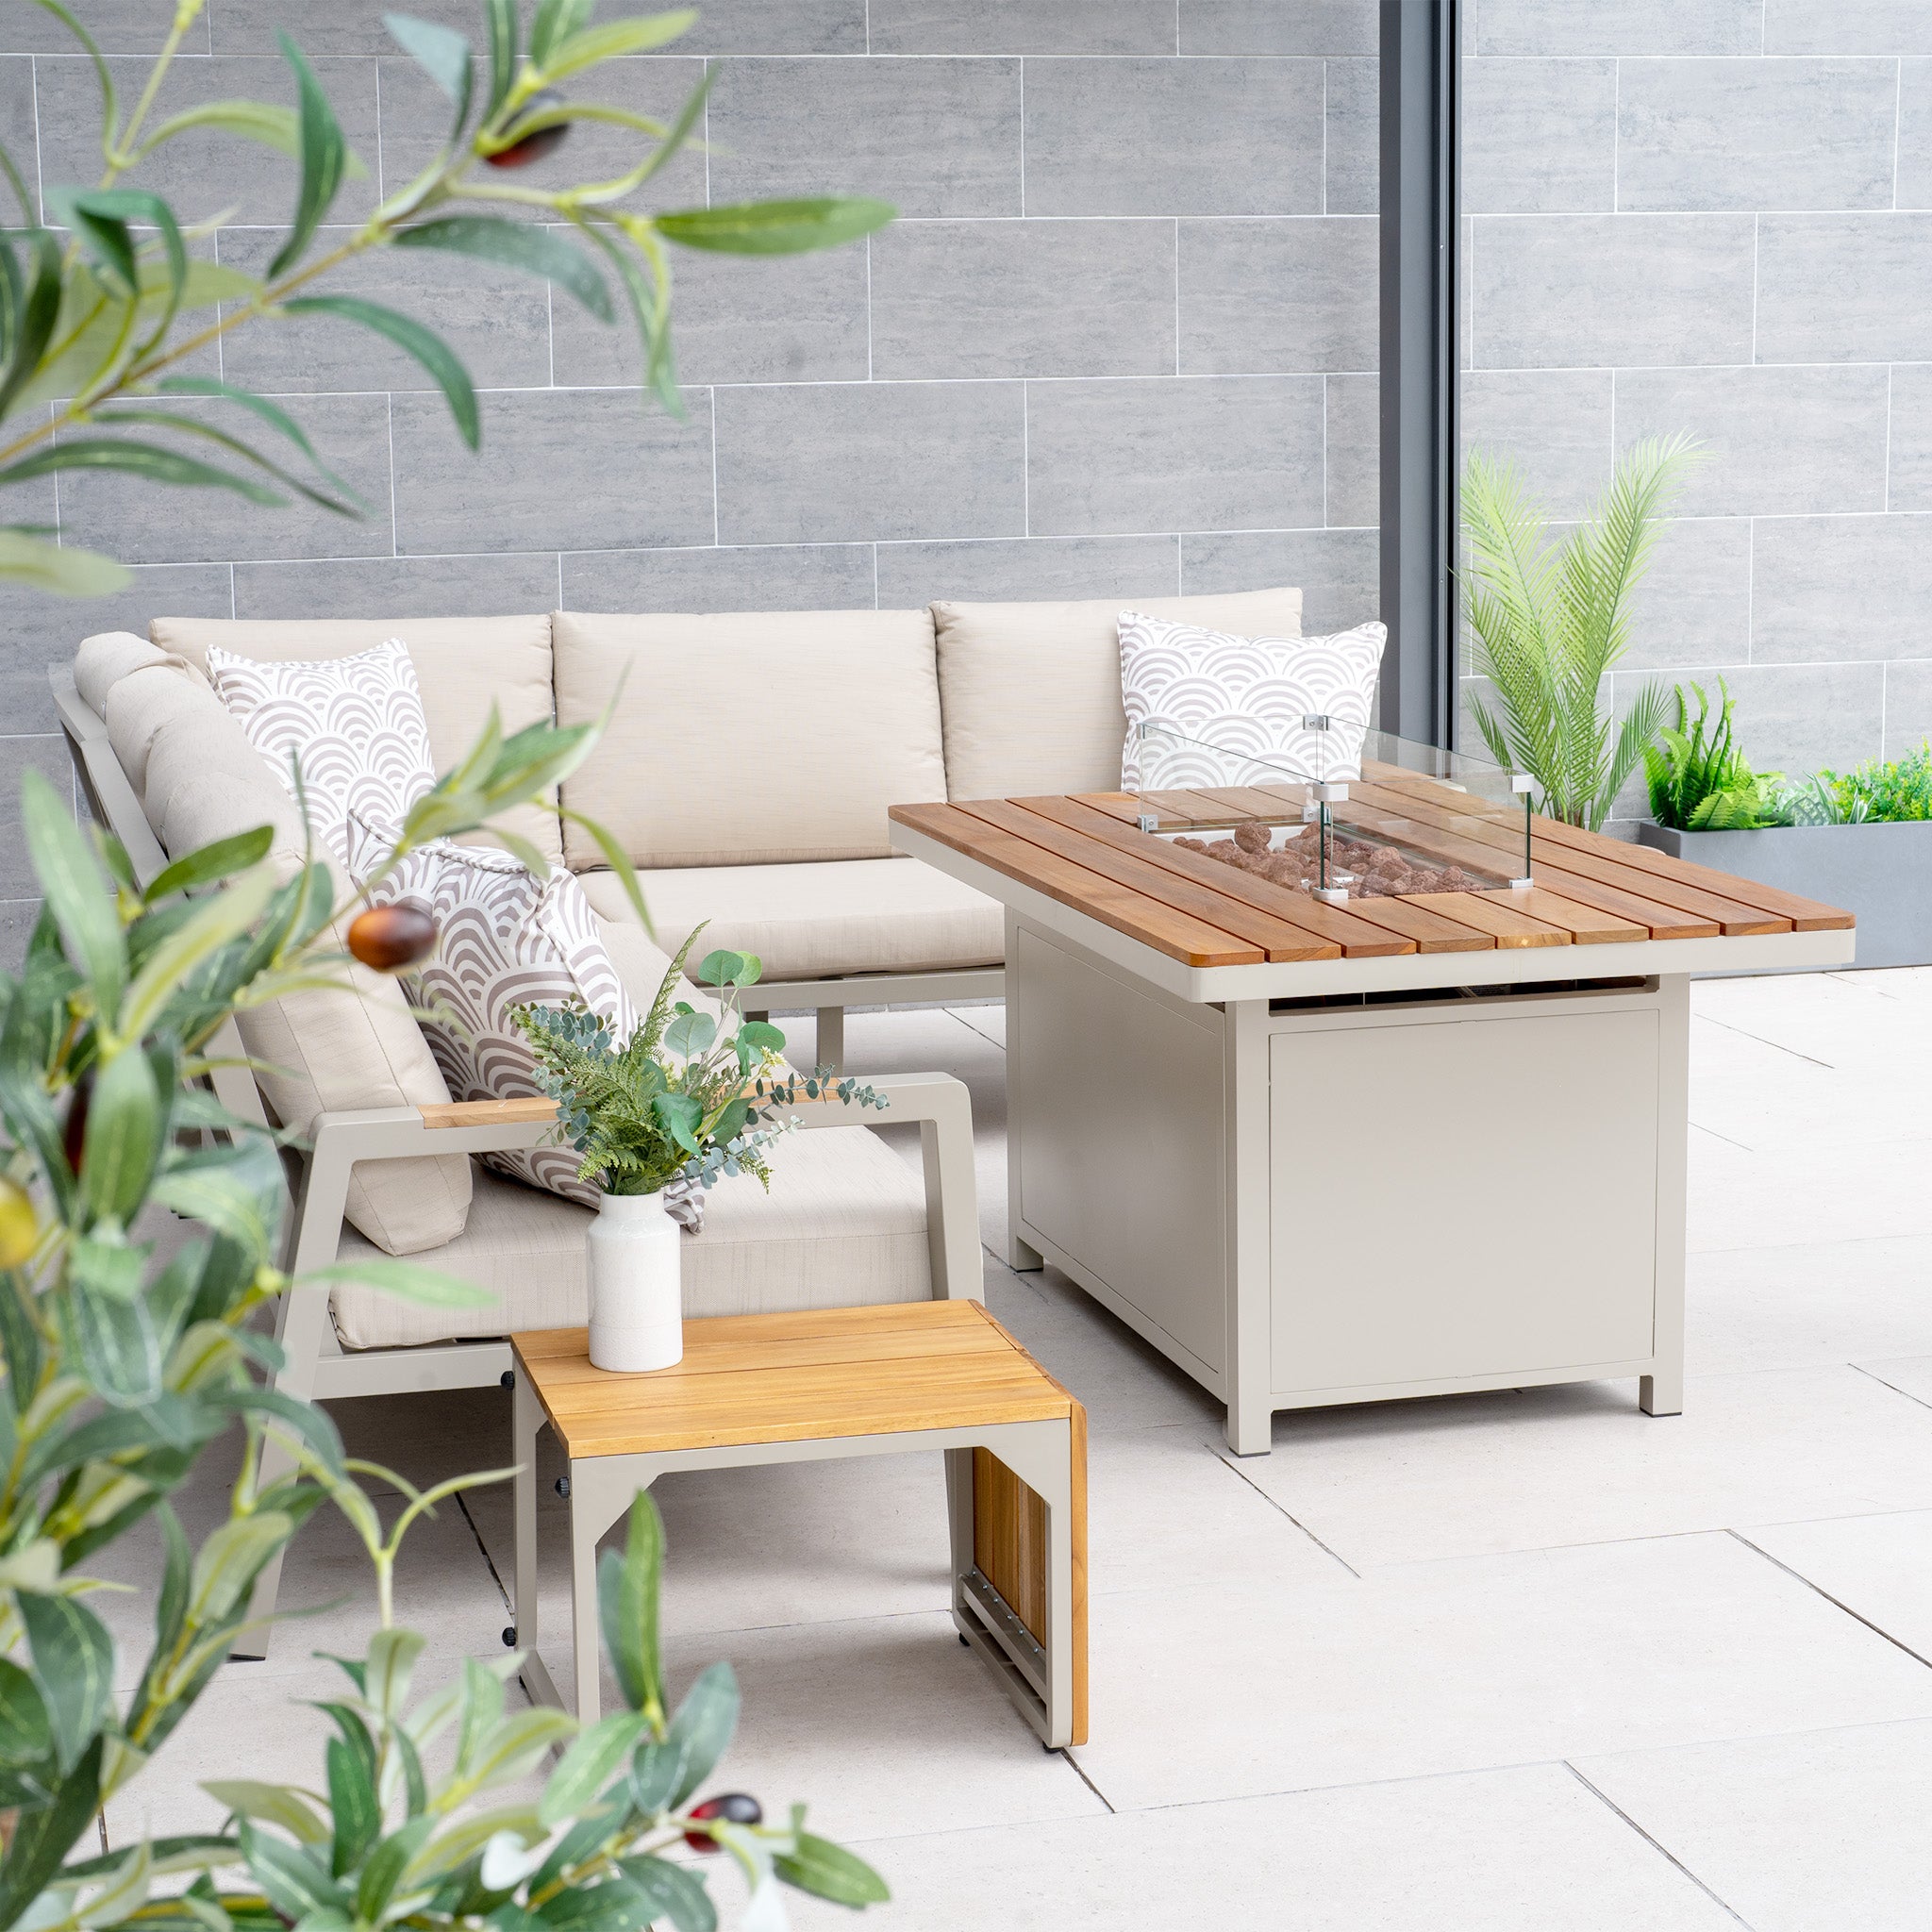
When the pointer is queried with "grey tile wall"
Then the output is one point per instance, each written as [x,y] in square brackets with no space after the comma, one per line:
[1738,246]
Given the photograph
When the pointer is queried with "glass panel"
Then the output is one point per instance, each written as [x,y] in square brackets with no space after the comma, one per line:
[1346,815]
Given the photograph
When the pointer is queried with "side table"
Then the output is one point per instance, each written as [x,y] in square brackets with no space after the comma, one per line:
[812,1385]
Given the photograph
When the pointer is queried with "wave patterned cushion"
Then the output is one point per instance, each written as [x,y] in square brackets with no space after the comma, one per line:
[1246,696]
[355,724]
[509,939]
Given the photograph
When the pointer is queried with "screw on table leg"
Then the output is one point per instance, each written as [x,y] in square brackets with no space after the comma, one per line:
[509,1638]
[507,1379]
[563,1487]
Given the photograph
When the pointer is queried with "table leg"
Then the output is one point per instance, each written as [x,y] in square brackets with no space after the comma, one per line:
[526,1420]
[586,1651]
[1248,1347]
[1661,1391]
[1022,1257]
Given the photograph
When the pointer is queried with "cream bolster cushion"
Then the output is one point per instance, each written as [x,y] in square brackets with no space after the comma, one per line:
[320,1050]
[749,739]
[105,659]
[464,666]
[1031,692]
[1230,700]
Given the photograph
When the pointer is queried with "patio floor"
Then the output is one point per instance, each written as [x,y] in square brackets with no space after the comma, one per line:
[1518,1662]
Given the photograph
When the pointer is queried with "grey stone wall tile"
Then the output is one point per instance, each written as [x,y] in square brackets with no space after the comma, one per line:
[17,122]
[1853,288]
[1908,705]
[204,173]
[1612,291]
[1208,137]
[144,523]
[1794,718]
[496,320]
[1910,482]
[759,26]
[1846,27]
[1353,163]
[798,318]
[1539,136]
[40,629]
[1840,588]
[1029,567]
[1209,452]
[1352,440]
[18,918]
[1618,26]
[557,467]
[1338,572]
[1279,297]
[1781,441]
[341,26]
[501,584]
[18,756]
[801,576]
[1554,424]
[1266,26]
[1693,607]
[1023,298]
[933,137]
[118,27]
[1915,134]
[415,120]
[1756,134]
[859,462]
[1022,26]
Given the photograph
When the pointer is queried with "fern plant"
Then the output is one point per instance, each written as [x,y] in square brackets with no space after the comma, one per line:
[686,1096]
[1549,621]
[1701,782]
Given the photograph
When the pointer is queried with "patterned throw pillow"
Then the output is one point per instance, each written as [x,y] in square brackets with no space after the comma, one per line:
[355,724]
[1243,695]
[508,939]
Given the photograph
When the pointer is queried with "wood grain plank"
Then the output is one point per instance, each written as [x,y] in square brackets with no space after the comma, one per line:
[1495,912]
[1179,937]
[1353,938]
[1279,937]
[1589,926]
[438,1114]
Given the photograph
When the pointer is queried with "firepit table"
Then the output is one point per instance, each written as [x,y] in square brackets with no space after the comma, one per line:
[1319,1140]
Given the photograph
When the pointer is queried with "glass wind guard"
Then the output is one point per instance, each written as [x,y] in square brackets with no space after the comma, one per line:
[1343,815]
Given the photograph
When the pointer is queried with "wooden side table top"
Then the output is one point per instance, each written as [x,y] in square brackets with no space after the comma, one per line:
[794,1377]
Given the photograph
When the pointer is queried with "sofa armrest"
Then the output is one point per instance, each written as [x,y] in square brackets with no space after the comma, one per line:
[944,1108]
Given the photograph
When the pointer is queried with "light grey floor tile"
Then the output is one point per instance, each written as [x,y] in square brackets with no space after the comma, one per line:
[1508,1851]
[1877,1567]
[1910,1375]
[1817,1832]
[1541,1468]
[1809,1304]
[1225,1691]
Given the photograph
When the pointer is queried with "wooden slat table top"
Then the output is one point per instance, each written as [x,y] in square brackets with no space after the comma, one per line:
[1087,852]
[802,1377]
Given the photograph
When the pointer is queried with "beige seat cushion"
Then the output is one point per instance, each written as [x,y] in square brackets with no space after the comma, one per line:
[750,739]
[843,1225]
[809,922]
[1031,692]
[319,1051]
[463,665]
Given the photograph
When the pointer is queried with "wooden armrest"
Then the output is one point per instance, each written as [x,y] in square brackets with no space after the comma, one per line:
[487,1113]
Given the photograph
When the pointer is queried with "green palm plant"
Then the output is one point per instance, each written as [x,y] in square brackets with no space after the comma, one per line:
[1548,622]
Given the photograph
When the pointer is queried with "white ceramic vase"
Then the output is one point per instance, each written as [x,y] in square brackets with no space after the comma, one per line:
[637,1302]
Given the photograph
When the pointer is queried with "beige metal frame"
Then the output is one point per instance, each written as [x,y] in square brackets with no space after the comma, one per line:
[1038,1678]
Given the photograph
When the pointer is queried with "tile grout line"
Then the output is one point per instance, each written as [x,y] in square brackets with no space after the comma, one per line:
[1274,1504]
[1065,1754]
[1657,1845]
[1819,1590]
[489,1561]
[1872,1376]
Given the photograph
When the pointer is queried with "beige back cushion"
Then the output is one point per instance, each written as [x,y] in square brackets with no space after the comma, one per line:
[462,664]
[1031,692]
[200,779]
[750,739]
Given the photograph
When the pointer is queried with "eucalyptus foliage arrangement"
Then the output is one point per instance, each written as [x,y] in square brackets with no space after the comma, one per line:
[1548,622]
[99,311]
[688,1096]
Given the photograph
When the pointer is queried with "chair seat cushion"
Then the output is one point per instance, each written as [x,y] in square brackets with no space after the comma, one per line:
[843,1227]
[816,920]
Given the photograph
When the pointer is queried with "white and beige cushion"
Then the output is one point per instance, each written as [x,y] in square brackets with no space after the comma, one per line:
[751,739]
[504,938]
[354,727]
[318,1050]
[1229,699]
[811,921]
[1031,692]
[464,666]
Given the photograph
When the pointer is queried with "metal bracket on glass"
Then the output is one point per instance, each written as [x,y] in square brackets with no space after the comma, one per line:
[1329,793]
[1329,896]
[1147,823]
[1521,782]
[1317,721]
[1520,885]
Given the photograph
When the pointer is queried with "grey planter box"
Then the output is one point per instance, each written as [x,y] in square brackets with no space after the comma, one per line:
[1881,873]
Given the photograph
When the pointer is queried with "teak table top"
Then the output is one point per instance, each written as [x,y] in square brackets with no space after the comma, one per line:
[793,1379]
[1088,854]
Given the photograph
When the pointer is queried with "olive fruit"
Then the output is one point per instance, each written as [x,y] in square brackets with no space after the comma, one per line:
[19,1225]
[734,1807]
[388,937]
[540,141]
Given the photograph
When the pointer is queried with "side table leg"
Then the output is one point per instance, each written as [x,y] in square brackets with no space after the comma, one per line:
[587,1655]
[526,1419]
[960,1520]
